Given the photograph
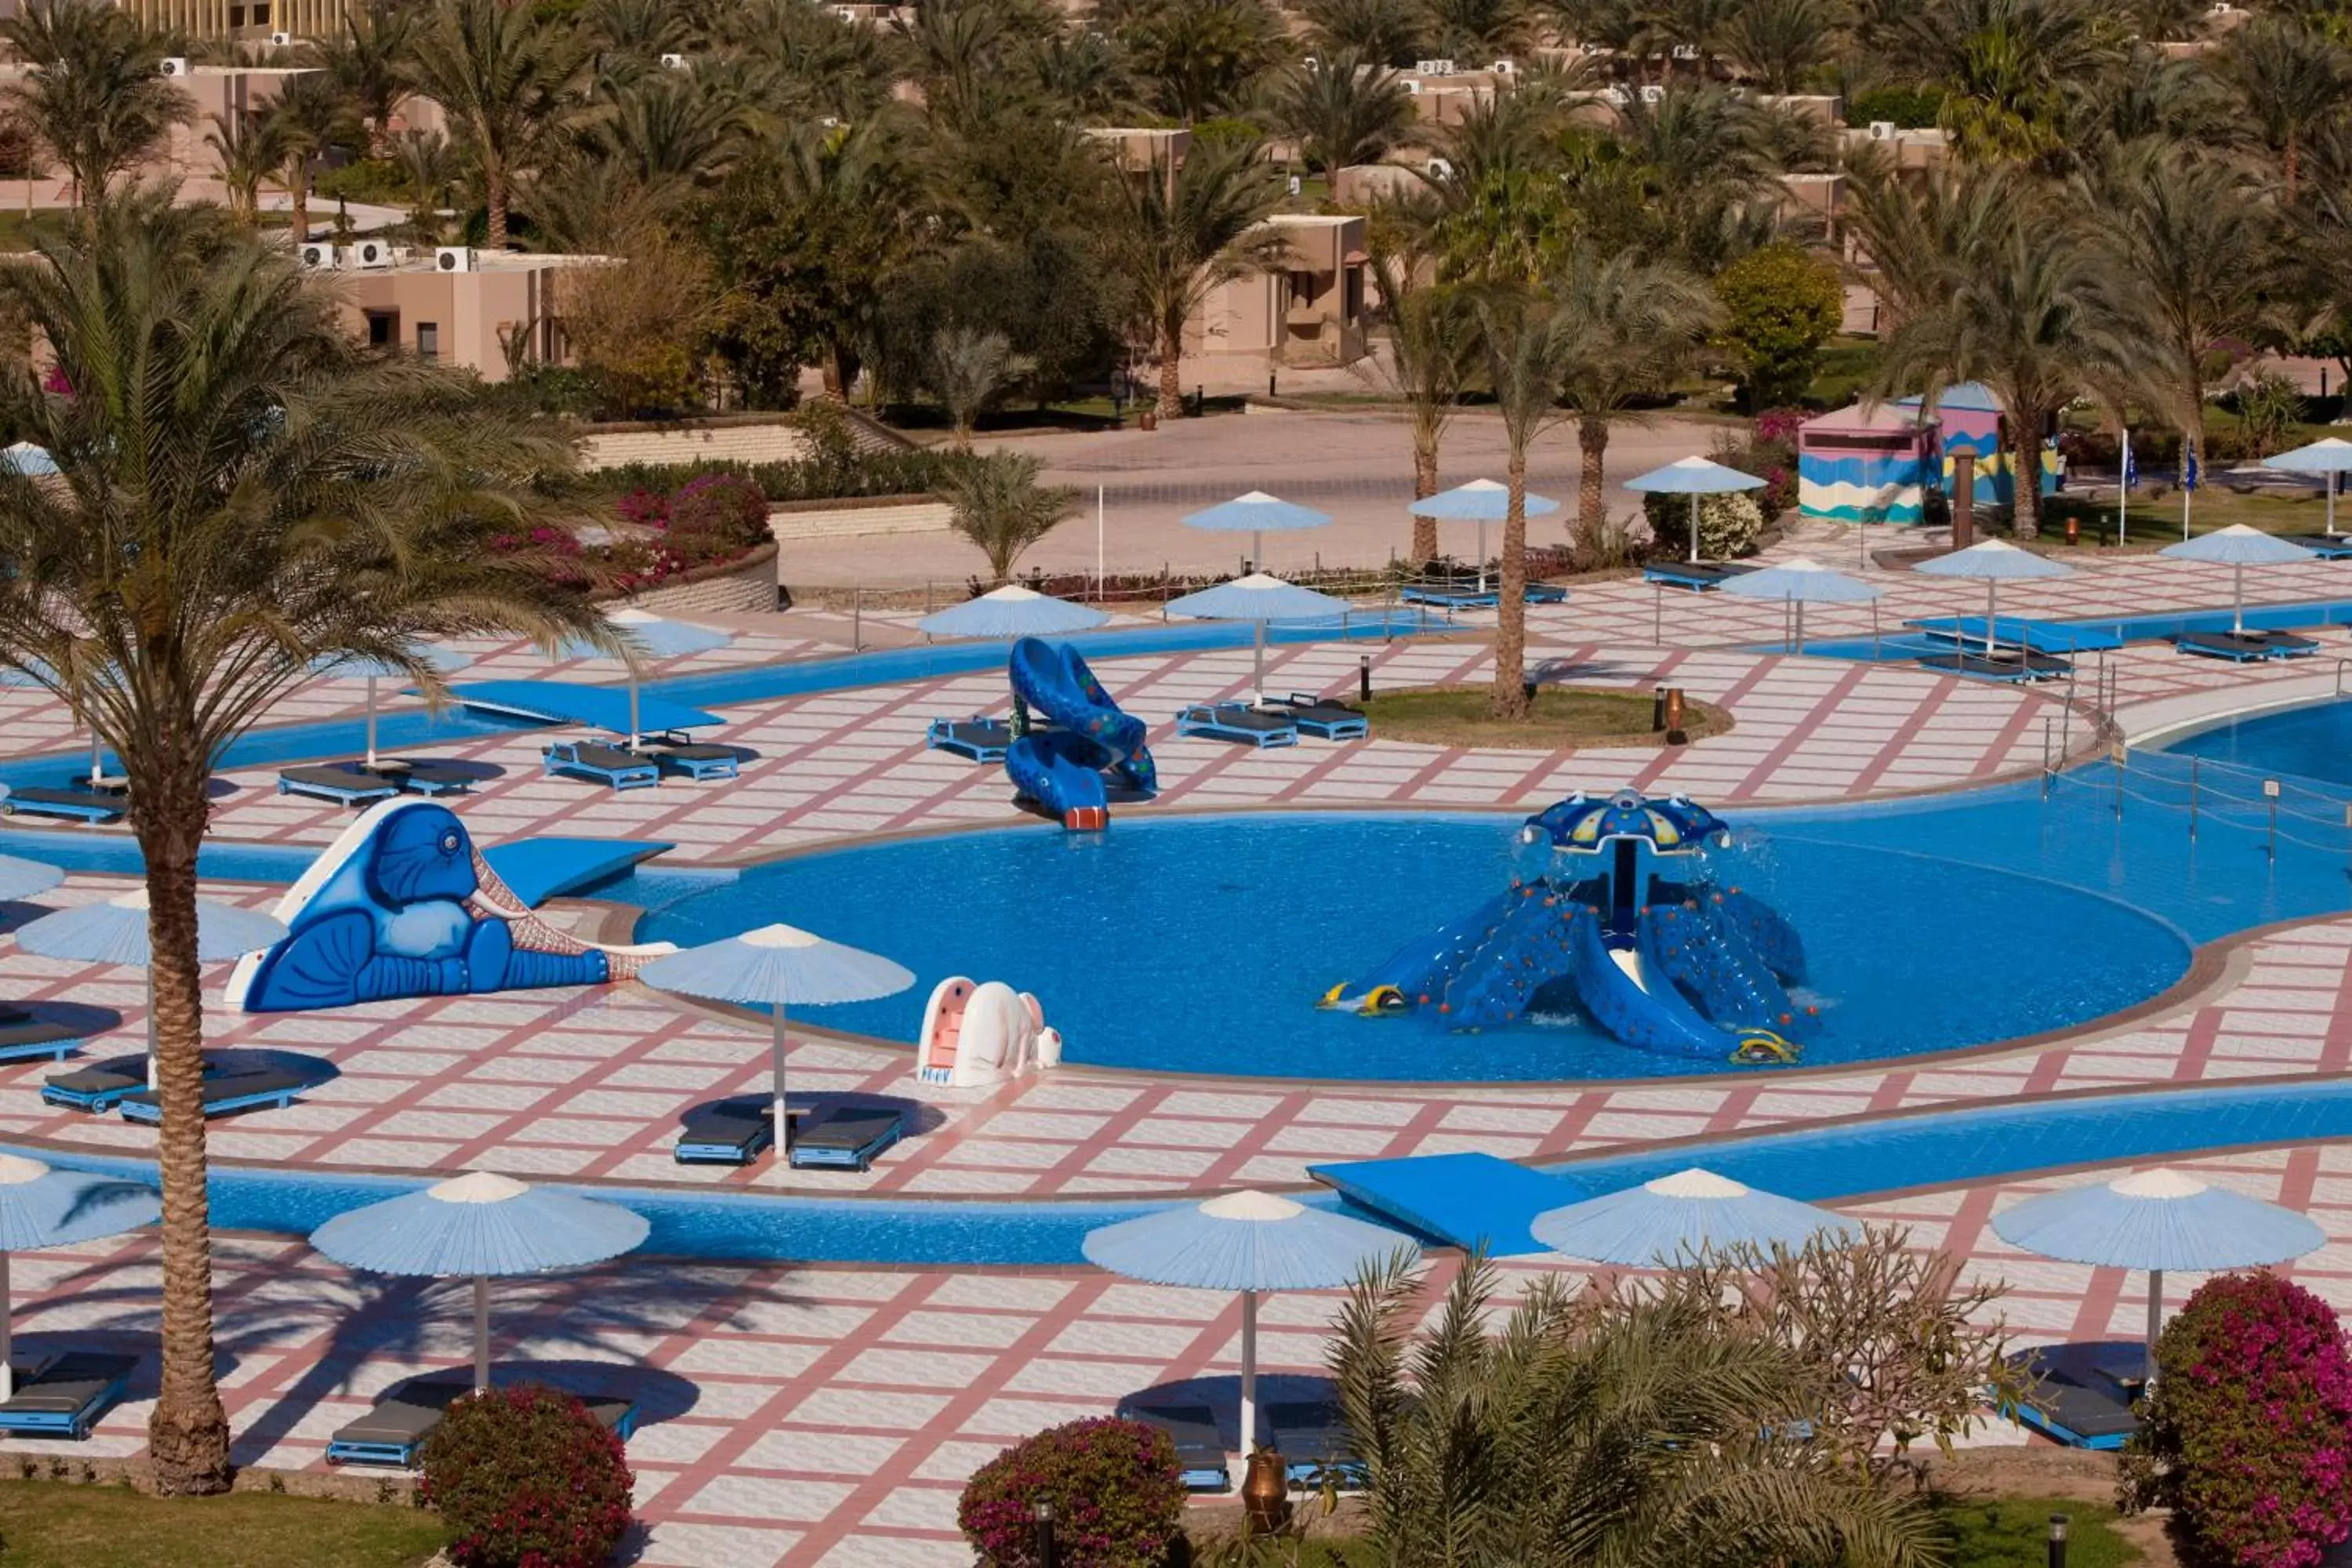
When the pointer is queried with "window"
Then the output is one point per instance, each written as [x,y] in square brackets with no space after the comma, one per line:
[384,329]
[429,340]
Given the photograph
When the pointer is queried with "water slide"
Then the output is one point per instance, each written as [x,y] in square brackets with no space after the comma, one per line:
[1419,971]
[1627,992]
[1693,946]
[1062,767]
[1527,949]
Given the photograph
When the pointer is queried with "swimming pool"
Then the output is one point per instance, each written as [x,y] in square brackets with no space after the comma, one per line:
[1910,643]
[2313,742]
[1201,944]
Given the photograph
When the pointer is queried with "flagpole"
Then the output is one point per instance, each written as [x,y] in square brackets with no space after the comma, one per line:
[2123,494]
[2188,481]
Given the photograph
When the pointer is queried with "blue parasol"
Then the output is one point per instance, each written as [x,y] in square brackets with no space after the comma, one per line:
[2238,547]
[648,635]
[1481,501]
[1801,581]
[482,1224]
[1992,563]
[1260,599]
[44,1207]
[1256,514]
[23,457]
[1247,1242]
[1011,612]
[1693,476]
[2327,457]
[22,878]
[353,666]
[1691,1212]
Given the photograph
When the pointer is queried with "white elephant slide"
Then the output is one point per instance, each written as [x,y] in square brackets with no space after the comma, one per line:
[974,1035]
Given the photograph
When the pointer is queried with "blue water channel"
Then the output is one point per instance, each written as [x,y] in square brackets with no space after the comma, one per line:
[1906,644]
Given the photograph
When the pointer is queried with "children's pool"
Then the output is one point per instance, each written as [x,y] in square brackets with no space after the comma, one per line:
[1201,944]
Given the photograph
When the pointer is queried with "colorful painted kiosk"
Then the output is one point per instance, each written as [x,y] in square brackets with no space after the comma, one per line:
[1865,466]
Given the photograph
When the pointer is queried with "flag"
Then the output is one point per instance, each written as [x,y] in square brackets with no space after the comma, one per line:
[2189,467]
[2131,464]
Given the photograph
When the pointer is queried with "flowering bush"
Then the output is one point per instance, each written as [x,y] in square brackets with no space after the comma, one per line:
[2249,1433]
[722,506]
[1729,525]
[525,1477]
[645,508]
[1119,1501]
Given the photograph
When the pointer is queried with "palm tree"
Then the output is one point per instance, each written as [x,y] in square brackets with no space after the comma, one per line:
[1527,343]
[1631,322]
[968,368]
[503,79]
[1183,233]
[1434,354]
[365,61]
[95,96]
[2003,64]
[248,155]
[1342,110]
[305,117]
[1197,57]
[2289,83]
[1388,31]
[1781,43]
[245,491]
[2019,307]
[1478,30]
[1642,1434]
[997,503]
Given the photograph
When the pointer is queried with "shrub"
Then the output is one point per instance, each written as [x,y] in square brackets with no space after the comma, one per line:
[1912,107]
[1729,525]
[726,507]
[1781,304]
[2249,1433]
[525,1477]
[1119,1501]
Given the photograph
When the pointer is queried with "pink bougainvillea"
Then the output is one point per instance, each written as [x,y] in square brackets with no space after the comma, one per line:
[2249,1434]
[1119,1501]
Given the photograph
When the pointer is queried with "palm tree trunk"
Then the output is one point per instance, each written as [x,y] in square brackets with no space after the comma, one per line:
[1592,482]
[494,196]
[298,198]
[1425,485]
[1510,699]
[1172,370]
[188,1434]
[2291,165]
[2025,483]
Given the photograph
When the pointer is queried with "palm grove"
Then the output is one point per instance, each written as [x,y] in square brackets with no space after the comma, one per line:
[919,211]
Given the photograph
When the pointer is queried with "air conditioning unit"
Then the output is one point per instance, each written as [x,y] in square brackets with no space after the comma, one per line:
[1686,51]
[1654,94]
[1504,68]
[1885,131]
[452,258]
[1294,185]
[316,257]
[2220,8]
[1433,67]
[673,62]
[368,253]
[1440,168]
[171,65]
[846,13]
[281,41]
[1411,86]
[1615,97]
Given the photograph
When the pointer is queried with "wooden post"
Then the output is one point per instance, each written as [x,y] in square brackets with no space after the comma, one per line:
[1964,500]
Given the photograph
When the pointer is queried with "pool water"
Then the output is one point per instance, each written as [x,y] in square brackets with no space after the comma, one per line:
[2313,742]
[1201,944]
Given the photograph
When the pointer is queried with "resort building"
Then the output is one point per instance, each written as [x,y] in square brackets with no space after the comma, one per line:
[1309,312]
[481,310]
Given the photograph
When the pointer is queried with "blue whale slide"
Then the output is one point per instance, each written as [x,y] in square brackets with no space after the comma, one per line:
[1061,766]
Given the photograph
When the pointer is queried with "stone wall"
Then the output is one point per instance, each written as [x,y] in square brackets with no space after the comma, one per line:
[747,586]
[853,517]
[772,441]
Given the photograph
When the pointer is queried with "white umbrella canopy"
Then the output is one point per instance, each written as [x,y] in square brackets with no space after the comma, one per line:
[1693,476]
[1011,610]
[1801,581]
[1992,563]
[2328,457]
[447,661]
[40,1207]
[1256,514]
[2238,547]
[648,635]
[22,878]
[1260,599]
[1481,501]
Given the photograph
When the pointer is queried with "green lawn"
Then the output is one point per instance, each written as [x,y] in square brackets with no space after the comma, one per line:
[1564,716]
[2014,1532]
[57,1524]
[2155,520]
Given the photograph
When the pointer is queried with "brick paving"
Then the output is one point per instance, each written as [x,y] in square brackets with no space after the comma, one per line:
[810,1415]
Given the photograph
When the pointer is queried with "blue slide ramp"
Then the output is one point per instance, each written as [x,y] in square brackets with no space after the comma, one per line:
[1693,945]
[1528,950]
[1062,768]
[1419,971]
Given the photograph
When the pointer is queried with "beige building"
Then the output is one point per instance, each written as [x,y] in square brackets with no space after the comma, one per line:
[457,306]
[1311,312]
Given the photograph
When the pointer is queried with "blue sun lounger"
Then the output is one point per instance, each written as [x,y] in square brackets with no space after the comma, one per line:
[1193,1428]
[1315,1445]
[1237,722]
[846,1141]
[2246,647]
[97,1090]
[1698,576]
[343,784]
[732,1131]
[695,759]
[27,1036]
[1326,717]
[1442,596]
[226,1094]
[2082,1394]
[65,1397]
[981,739]
[605,764]
[77,805]
[394,1431]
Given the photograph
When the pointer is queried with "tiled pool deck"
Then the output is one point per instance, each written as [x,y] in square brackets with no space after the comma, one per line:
[807,1415]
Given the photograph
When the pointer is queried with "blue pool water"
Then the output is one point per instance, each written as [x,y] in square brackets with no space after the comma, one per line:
[2053,635]
[2314,742]
[1201,944]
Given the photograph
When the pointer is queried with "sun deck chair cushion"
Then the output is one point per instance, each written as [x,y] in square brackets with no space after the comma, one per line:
[70,802]
[428,777]
[402,1419]
[847,1138]
[350,782]
[718,1132]
[596,754]
[69,1389]
[1313,1437]
[222,1091]
[85,1083]
[1193,1429]
[23,1032]
[687,751]
[1239,716]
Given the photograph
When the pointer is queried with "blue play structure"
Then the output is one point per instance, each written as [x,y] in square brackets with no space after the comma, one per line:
[1060,763]
[1661,961]
[403,905]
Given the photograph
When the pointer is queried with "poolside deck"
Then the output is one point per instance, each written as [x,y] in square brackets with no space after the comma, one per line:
[807,1415]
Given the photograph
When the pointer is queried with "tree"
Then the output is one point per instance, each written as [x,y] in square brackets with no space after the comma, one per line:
[248,155]
[503,79]
[997,504]
[2289,83]
[642,328]
[1781,43]
[1642,1434]
[1526,340]
[1198,57]
[1478,30]
[1434,354]
[1388,31]
[244,491]
[1185,232]
[2003,64]
[94,94]
[1779,306]
[1631,323]
[366,60]
[298,125]
[1345,110]
[968,368]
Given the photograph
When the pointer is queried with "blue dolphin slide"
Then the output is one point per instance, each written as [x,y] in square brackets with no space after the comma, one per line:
[1061,766]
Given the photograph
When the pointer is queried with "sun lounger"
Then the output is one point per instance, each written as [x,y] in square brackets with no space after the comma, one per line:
[846,1141]
[606,764]
[1237,722]
[1315,1444]
[2008,667]
[24,1036]
[343,784]
[2246,647]
[97,1090]
[1452,596]
[393,1432]
[1327,718]
[694,759]
[80,805]
[2326,546]
[731,1132]
[226,1094]
[1193,1428]
[428,777]
[1698,576]
[2080,1394]
[65,1397]
[981,739]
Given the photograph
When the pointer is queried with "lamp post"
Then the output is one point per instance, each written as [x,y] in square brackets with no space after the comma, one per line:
[2058,1522]
[1048,1551]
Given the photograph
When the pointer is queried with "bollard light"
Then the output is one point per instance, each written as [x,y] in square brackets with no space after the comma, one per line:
[1048,1551]
[2058,1522]
[1363,677]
